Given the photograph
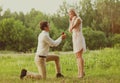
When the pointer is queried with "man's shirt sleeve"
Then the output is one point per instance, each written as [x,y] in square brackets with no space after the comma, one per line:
[52,42]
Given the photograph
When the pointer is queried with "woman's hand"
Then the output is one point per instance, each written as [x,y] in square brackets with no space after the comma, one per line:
[70,30]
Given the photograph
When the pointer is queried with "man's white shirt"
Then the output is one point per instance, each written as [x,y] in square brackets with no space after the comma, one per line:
[45,42]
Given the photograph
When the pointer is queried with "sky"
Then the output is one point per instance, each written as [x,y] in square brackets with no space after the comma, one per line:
[45,6]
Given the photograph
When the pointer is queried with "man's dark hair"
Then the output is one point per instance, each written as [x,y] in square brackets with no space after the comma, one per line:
[43,24]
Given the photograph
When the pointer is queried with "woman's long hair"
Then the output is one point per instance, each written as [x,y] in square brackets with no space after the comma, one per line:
[73,12]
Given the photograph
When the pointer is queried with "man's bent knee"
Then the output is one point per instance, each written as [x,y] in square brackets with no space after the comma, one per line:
[57,58]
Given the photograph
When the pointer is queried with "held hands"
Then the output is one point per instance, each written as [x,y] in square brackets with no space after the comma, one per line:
[63,35]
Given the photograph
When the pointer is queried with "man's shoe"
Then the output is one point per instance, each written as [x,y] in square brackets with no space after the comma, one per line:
[23,73]
[59,75]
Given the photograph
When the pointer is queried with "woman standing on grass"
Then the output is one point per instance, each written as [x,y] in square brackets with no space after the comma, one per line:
[79,46]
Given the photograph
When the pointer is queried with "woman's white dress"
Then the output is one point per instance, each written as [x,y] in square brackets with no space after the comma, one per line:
[77,36]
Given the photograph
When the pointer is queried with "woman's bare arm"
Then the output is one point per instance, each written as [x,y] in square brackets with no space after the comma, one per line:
[76,24]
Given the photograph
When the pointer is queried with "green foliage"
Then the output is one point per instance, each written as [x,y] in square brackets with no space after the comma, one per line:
[67,46]
[19,31]
[61,22]
[116,40]
[14,35]
[32,19]
[9,28]
[108,12]
[94,39]
[29,40]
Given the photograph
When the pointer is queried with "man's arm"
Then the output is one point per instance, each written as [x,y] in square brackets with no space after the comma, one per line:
[52,42]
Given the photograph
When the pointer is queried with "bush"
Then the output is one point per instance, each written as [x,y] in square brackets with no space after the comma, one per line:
[15,36]
[115,40]
[67,44]
[94,39]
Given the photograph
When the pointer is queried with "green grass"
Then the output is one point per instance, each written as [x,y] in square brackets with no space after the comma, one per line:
[101,66]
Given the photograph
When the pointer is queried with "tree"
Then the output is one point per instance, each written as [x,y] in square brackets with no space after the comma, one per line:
[108,10]
[33,18]
[87,12]
[9,32]
[0,12]
[15,36]
[7,14]
[61,22]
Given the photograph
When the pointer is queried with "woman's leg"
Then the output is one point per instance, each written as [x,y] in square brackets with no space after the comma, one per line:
[80,63]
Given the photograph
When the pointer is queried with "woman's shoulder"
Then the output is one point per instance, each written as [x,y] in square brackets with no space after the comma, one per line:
[79,18]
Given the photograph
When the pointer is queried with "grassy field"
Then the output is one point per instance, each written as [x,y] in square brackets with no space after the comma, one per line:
[101,66]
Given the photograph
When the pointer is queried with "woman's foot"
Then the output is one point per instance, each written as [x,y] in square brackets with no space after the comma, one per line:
[59,75]
[81,76]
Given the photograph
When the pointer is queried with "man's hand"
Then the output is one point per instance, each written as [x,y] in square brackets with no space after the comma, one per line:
[63,35]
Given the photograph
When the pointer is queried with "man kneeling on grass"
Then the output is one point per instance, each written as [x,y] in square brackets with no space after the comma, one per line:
[44,42]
